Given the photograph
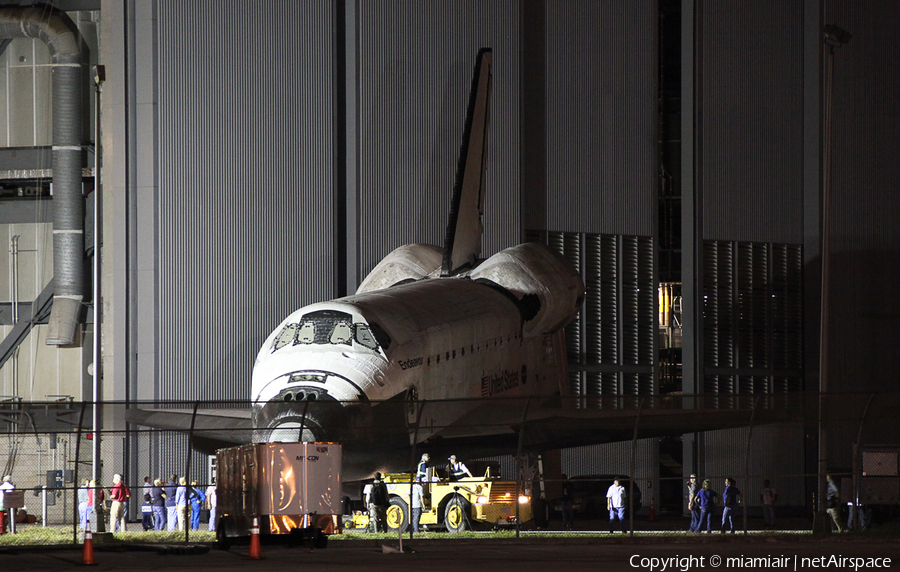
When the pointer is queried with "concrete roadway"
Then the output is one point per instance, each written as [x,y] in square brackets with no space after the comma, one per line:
[529,554]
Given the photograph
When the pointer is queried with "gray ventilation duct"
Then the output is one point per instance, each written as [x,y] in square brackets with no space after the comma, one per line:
[68,203]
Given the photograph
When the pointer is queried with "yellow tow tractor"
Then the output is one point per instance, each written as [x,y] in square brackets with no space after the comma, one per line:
[457,505]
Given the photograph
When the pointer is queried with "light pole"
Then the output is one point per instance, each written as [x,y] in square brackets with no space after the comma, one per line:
[98,75]
[833,37]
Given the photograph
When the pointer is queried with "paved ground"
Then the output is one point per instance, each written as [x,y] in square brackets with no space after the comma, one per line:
[529,553]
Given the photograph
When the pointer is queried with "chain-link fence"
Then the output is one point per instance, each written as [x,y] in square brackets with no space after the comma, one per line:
[565,452]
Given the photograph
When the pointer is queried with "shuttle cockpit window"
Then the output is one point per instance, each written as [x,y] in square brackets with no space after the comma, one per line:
[307,334]
[341,333]
[331,327]
[285,337]
[364,337]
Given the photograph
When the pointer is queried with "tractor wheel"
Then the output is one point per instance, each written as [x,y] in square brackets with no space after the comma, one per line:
[456,514]
[397,515]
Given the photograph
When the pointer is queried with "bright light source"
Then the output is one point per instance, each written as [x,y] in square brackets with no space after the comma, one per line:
[481,500]
[523,499]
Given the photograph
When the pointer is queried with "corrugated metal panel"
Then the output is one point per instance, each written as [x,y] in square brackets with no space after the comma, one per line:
[727,450]
[865,204]
[751,121]
[617,324]
[244,202]
[602,159]
[614,458]
[752,317]
[413,94]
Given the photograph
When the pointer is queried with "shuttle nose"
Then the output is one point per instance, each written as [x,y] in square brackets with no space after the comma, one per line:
[299,414]
[290,432]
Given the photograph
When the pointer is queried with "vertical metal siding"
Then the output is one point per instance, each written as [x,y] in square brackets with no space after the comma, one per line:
[602,159]
[415,71]
[614,458]
[244,205]
[752,319]
[618,324]
[752,118]
[865,202]
[726,451]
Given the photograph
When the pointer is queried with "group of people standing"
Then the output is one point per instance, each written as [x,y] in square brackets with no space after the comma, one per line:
[703,500]
[165,504]
[91,497]
[168,504]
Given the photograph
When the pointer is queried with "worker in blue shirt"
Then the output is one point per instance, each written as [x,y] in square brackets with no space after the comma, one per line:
[197,499]
[731,498]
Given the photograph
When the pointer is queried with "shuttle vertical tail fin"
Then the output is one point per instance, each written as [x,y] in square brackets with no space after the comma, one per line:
[463,241]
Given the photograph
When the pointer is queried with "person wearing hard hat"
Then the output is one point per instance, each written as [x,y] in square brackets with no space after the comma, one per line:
[457,470]
[693,487]
[422,471]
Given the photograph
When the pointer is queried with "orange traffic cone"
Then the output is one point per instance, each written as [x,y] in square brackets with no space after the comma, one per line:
[254,541]
[87,555]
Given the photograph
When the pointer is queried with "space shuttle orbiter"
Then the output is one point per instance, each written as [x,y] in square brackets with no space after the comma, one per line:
[427,324]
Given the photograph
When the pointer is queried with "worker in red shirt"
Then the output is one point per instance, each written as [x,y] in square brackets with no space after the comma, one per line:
[119,495]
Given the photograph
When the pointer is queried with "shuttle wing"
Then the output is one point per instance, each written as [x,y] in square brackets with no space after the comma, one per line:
[212,429]
[463,241]
[553,422]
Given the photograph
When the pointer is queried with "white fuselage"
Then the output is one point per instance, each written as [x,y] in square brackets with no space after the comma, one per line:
[434,339]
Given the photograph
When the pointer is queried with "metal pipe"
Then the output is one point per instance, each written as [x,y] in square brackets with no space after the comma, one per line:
[826,257]
[15,312]
[14,246]
[52,27]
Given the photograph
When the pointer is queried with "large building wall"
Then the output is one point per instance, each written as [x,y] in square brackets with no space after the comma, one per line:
[601,124]
[743,195]
[253,154]
[237,229]
[865,202]
[759,134]
[865,205]
[413,91]
[751,122]
[746,225]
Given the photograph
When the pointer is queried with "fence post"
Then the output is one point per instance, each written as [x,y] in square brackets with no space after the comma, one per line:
[44,506]
[519,466]
[77,519]
[854,513]
[637,421]
[412,462]
[187,475]
[747,458]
